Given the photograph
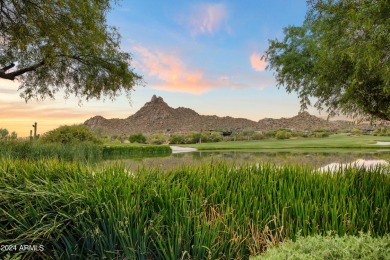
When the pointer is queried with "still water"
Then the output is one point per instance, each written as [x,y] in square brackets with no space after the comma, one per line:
[238,157]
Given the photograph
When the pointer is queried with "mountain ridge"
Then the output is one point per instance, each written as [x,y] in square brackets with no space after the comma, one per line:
[156,116]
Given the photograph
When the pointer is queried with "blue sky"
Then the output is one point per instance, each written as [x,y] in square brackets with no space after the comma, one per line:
[204,55]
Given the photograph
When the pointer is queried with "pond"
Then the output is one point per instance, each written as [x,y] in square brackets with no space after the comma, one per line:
[312,158]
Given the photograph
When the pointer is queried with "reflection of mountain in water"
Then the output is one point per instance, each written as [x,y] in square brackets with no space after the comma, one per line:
[368,164]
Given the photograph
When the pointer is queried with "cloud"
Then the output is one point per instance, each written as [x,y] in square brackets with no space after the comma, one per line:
[172,73]
[207,19]
[257,63]
[169,72]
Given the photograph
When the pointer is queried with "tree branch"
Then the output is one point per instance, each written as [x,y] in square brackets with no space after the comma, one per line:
[7,67]
[13,75]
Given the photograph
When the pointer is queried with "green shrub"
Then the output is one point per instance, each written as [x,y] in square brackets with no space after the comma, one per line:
[257,136]
[298,134]
[363,246]
[282,134]
[195,138]
[385,132]
[356,132]
[70,134]
[317,134]
[270,134]
[215,137]
[158,139]
[137,138]
[381,132]
[177,139]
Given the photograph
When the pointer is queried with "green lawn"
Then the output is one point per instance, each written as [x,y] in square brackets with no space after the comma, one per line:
[334,141]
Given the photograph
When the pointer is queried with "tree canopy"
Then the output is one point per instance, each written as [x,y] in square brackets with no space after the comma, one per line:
[340,56]
[70,135]
[63,44]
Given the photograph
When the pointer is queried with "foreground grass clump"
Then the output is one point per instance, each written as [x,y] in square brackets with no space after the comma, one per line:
[214,211]
[319,247]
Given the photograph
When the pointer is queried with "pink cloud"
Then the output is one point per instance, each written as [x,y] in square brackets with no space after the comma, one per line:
[208,19]
[172,72]
[257,63]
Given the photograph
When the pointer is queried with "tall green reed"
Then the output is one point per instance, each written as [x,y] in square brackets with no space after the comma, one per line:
[36,150]
[212,211]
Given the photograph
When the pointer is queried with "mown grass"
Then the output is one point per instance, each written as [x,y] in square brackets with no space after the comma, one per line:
[336,141]
[209,212]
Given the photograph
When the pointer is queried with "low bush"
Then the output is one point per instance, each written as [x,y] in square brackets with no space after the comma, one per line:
[381,132]
[177,139]
[157,139]
[283,134]
[193,138]
[270,134]
[356,131]
[137,138]
[214,138]
[257,136]
[363,246]
[320,134]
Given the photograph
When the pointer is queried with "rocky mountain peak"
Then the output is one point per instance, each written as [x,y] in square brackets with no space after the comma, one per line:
[303,114]
[155,109]
[156,116]
[156,99]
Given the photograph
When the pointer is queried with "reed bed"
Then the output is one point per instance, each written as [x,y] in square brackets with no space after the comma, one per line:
[86,152]
[208,212]
[83,152]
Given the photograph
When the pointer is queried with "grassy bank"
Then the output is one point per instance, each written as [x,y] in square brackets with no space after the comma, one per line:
[213,211]
[338,141]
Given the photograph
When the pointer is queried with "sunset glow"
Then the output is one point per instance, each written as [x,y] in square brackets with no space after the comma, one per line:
[201,55]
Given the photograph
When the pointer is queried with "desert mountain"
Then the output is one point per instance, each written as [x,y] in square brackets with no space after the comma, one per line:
[302,121]
[156,116]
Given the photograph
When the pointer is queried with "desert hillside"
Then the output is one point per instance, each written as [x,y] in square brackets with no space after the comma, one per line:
[156,116]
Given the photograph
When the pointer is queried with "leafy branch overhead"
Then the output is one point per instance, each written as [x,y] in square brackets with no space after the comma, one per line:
[51,45]
[340,56]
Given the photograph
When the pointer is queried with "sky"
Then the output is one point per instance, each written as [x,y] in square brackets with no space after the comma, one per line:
[204,55]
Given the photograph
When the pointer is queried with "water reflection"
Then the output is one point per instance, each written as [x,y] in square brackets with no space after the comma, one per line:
[361,163]
[313,159]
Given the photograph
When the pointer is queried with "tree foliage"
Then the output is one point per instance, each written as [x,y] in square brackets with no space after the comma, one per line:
[340,56]
[51,45]
[3,134]
[70,135]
